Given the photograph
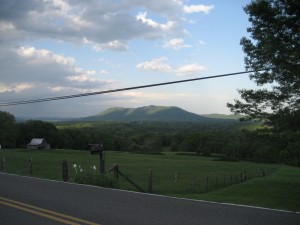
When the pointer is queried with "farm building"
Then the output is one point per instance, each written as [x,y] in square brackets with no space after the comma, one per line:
[38,143]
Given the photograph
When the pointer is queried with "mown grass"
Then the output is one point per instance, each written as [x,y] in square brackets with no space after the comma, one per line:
[197,177]
[280,190]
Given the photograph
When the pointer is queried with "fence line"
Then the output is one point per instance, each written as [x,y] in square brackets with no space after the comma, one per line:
[179,184]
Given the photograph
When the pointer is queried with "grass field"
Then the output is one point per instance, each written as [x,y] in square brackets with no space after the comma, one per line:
[279,190]
[196,177]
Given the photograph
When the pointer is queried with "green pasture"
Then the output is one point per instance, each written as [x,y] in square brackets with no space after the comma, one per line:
[280,190]
[187,176]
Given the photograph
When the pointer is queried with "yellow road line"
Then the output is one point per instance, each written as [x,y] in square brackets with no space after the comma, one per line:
[39,213]
[44,212]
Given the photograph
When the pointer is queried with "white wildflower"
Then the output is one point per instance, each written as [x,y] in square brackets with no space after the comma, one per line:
[75,168]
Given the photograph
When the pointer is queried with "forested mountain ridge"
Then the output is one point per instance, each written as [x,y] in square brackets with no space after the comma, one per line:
[148,113]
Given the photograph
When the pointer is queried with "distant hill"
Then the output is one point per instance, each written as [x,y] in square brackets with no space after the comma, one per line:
[148,113]
[222,116]
[46,119]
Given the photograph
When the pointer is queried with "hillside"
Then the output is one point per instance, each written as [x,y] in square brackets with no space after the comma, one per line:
[148,113]
[222,116]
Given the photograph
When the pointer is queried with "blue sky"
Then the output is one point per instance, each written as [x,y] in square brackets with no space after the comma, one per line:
[60,47]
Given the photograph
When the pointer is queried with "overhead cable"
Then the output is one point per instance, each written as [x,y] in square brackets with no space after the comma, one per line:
[123,89]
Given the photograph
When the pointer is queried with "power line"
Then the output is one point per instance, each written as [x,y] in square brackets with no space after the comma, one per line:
[123,89]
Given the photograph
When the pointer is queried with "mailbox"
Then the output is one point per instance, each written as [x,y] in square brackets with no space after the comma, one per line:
[96,149]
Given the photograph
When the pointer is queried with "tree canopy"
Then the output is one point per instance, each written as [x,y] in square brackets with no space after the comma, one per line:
[7,130]
[274,43]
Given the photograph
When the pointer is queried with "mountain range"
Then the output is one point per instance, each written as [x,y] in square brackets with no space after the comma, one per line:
[146,113]
[153,113]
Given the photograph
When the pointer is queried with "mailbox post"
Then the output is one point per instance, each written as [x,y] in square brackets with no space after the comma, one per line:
[97,149]
[102,161]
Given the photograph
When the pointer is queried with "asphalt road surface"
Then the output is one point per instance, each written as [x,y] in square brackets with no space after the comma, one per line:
[25,200]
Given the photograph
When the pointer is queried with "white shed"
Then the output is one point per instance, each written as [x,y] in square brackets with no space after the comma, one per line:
[38,143]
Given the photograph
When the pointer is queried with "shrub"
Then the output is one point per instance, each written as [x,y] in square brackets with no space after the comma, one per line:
[91,177]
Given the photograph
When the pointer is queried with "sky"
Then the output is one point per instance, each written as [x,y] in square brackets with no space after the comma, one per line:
[51,48]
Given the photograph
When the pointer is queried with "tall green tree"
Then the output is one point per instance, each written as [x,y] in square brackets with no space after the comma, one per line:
[274,43]
[8,132]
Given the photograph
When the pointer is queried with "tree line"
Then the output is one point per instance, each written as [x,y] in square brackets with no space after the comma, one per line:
[226,139]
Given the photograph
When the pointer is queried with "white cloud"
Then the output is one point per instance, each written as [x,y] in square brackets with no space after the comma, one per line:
[163,27]
[82,78]
[64,6]
[57,88]
[156,65]
[200,42]
[6,26]
[43,56]
[167,8]
[161,65]
[115,45]
[190,69]
[198,8]
[104,72]
[45,71]
[176,43]
[105,24]
[15,87]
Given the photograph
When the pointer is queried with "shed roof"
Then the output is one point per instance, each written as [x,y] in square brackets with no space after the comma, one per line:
[36,141]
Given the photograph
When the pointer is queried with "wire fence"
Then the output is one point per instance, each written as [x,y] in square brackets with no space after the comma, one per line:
[152,181]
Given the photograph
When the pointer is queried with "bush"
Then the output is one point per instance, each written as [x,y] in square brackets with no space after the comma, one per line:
[90,177]
[97,180]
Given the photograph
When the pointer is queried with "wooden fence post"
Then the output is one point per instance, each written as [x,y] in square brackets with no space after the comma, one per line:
[65,172]
[150,180]
[30,166]
[2,164]
[129,180]
[116,171]
[175,182]
[194,183]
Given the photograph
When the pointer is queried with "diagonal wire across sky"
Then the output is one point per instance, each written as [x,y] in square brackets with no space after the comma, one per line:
[2,104]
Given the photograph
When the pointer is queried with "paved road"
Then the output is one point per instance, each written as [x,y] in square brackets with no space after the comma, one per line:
[25,200]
